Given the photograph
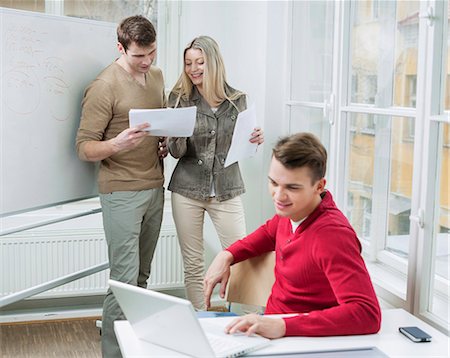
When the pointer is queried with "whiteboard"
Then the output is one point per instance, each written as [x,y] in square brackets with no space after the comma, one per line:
[46,62]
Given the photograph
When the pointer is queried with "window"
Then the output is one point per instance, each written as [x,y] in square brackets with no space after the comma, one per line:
[30,5]
[375,9]
[383,54]
[111,11]
[312,24]
[411,85]
[310,85]
[447,94]
[396,185]
[367,209]
[434,238]
[440,288]
[408,129]
[372,195]
[310,120]
[382,70]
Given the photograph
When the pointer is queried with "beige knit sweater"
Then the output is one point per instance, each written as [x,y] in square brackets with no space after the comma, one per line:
[105,108]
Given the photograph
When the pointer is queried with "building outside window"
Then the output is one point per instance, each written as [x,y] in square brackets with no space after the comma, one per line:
[110,11]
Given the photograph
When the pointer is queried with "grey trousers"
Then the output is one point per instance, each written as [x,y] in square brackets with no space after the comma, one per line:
[132,221]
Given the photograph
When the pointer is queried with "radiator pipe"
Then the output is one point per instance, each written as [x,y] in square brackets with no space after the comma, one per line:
[18,296]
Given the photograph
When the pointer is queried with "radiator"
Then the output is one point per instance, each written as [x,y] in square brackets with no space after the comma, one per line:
[38,257]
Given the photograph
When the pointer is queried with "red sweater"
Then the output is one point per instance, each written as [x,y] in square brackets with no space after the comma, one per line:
[319,272]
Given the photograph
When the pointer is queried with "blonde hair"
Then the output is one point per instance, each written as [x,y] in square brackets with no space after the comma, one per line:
[214,77]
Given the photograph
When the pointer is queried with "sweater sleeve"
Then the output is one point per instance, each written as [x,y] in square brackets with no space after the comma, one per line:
[96,112]
[337,253]
[260,241]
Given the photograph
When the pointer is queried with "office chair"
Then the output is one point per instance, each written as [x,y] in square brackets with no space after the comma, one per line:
[251,281]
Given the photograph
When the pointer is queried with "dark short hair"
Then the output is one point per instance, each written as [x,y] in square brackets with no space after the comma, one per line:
[302,150]
[136,29]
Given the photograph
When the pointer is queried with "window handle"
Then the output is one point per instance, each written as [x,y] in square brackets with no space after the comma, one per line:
[419,218]
[429,15]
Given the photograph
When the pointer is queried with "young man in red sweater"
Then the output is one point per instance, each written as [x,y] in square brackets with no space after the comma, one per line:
[319,272]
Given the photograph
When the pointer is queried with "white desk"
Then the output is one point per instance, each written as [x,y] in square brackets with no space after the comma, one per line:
[388,340]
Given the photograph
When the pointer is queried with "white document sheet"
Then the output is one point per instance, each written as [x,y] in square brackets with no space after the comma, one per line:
[241,147]
[166,122]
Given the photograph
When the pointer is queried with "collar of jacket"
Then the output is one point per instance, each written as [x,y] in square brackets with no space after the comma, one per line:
[203,107]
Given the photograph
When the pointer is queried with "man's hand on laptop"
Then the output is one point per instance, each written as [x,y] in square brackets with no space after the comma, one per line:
[256,324]
[218,271]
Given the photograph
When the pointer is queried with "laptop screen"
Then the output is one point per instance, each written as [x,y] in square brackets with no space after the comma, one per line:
[171,322]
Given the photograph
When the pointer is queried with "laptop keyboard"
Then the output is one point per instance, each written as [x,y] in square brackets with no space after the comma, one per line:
[222,345]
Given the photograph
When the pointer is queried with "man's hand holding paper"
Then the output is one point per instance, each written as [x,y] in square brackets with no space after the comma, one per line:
[165,122]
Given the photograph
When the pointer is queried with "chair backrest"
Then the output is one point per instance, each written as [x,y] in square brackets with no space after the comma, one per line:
[251,280]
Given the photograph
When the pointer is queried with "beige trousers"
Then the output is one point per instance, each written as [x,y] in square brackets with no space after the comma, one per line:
[229,221]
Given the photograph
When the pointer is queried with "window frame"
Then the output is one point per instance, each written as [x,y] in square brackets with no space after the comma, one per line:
[434,36]
[376,250]
[415,270]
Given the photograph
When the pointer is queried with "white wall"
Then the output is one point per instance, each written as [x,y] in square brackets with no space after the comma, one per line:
[240,29]
[276,62]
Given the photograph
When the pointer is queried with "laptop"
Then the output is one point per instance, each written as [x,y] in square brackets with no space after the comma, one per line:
[172,323]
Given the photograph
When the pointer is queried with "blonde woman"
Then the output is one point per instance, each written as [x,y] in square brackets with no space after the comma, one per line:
[200,183]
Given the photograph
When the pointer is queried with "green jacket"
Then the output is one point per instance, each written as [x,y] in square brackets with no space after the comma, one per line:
[202,156]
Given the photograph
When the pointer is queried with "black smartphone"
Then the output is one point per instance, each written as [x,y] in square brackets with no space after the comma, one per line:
[415,334]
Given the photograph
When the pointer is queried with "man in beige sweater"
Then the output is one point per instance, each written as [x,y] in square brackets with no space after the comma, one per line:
[130,178]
